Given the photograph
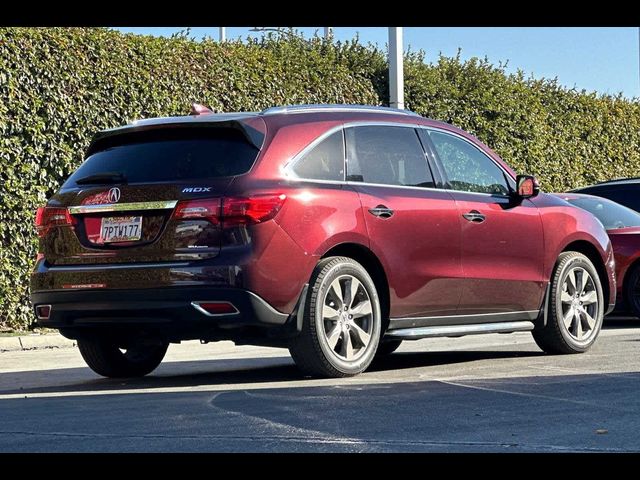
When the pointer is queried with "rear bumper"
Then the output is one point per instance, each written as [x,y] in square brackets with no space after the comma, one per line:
[168,309]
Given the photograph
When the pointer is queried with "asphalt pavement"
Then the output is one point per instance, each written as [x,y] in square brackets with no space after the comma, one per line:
[496,393]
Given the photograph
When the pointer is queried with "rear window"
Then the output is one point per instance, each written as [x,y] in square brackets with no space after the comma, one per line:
[170,155]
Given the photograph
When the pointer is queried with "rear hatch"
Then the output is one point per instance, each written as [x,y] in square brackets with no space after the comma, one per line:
[147,195]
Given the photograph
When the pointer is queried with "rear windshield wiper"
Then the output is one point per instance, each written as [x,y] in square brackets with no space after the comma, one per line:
[104,177]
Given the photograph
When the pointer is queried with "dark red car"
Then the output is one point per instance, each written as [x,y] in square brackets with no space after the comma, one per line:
[623,227]
[334,231]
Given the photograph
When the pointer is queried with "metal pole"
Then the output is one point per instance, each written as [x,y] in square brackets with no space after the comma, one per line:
[327,32]
[223,33]
[396,72]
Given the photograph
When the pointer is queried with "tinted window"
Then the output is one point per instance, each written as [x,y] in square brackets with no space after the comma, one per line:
[611,214]
[467,168]
[387,155]
[170,155]
[624,196]
[325,161]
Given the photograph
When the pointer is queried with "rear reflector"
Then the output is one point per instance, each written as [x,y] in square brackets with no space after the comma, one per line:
[215,308]
[49,217]
[43,312]
[232,211]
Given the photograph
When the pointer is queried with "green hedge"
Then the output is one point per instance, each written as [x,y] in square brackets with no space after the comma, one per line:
[58,86]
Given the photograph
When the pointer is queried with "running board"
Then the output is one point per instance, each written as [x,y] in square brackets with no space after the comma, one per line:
[458,330]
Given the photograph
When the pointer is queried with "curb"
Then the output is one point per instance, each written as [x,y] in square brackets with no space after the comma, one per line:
[34,342]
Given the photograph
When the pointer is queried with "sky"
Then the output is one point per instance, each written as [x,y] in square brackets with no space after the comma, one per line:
[605,60]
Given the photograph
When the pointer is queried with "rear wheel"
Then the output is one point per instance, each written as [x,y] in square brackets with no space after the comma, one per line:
[107,358]
[576,306]
[342,321]
[632,291]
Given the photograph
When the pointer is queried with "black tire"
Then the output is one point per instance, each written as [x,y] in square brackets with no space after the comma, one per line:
[105,357]
[556,337]
[387,348]
[631,286]
[311,349]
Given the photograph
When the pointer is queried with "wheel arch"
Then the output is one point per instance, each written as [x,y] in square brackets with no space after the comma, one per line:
[364,256]
[591,252]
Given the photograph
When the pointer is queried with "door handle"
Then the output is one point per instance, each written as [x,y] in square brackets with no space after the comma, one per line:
[381,211]
[474,216]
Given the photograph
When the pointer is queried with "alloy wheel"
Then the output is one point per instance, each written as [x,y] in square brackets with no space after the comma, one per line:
[579,299]
[347,318]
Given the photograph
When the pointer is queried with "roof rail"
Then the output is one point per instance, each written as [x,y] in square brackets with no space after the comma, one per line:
[335,108]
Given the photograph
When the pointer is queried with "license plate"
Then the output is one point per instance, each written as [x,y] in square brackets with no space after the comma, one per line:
[121,229]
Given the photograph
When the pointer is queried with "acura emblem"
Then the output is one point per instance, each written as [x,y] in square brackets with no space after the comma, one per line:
[114,195]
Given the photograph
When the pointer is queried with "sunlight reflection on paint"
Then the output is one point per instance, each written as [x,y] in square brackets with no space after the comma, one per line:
[305,196]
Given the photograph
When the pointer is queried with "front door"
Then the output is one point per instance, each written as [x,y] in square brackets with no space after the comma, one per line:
[502,239]
[414,228]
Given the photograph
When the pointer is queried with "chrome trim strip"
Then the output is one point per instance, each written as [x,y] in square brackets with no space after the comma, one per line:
[459,330]
[367,184]
[123,207]
[197,306]
[124,266]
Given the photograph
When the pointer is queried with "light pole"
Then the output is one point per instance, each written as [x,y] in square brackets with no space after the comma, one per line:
[396,72]
[327,32]
[222,34]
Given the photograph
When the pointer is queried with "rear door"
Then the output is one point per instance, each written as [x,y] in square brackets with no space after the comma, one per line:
[502,239]
[129,200]
[413,226]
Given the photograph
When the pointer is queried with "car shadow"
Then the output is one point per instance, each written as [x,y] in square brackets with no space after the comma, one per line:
[618,322]
[226,372]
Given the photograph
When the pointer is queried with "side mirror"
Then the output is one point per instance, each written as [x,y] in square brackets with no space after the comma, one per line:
[528,186]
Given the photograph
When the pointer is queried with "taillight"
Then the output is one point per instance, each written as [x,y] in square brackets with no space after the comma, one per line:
[49,217]
[207,209]
[251,210]
[232,210]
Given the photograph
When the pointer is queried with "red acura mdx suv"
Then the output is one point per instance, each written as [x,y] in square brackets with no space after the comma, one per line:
[335,231]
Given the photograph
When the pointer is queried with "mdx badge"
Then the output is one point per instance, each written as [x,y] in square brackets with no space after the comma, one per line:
[196,189]
[114,195]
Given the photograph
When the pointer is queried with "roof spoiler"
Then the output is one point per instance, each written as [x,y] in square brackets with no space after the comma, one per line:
[253,135]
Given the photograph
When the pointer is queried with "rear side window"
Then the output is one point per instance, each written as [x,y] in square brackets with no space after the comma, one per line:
[165,155]
[325,161]
[387,155]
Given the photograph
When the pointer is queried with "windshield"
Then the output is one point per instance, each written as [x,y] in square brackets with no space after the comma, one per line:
[168,155]
[612,215]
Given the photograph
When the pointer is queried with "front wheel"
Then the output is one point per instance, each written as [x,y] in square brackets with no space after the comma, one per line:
[109,359]
[342,321]
[575,309]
